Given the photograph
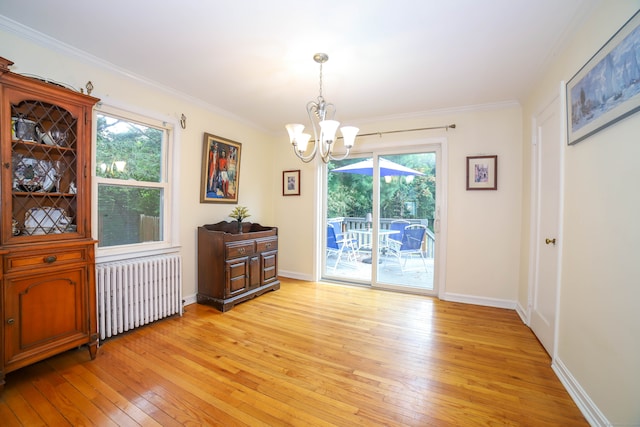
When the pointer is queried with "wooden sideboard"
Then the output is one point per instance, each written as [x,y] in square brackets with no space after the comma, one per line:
[234,267]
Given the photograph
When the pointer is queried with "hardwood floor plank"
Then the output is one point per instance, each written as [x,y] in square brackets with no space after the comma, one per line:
[20,408]
[7,416]
[103,397]
[309,354]
[40,405]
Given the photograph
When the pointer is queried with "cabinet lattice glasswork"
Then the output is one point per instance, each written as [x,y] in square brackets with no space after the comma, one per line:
[44,161]
[48,265]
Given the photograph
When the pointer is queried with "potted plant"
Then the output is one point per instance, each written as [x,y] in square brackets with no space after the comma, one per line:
[239,213]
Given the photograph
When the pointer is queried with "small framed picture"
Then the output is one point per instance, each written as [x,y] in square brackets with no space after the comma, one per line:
[482,172]
[291,183]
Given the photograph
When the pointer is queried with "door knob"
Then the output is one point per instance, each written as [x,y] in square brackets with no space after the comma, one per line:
[550,241]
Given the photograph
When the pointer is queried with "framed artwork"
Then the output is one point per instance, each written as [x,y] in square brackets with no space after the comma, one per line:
[291,183]
[220,170]
[607,87]
[482,173]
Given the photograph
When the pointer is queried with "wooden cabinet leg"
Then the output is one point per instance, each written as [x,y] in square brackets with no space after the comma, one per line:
[93,349]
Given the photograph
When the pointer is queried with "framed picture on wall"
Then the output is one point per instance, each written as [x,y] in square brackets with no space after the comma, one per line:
[482,173]
[607,87]
[220,170]
[291,183]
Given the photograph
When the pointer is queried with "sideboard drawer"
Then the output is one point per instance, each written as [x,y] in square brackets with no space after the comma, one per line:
[265,245]
[235,250]
[29,260]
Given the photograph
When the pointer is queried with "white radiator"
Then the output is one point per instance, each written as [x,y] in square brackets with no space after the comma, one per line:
[136,292]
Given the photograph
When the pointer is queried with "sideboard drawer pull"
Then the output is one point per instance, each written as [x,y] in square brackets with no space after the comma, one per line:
[50,259]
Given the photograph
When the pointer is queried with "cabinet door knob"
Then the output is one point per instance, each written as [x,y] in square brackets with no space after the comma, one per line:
[51,258]
[11,321]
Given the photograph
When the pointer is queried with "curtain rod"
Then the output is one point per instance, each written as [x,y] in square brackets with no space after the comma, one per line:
[453,126]
[447,127]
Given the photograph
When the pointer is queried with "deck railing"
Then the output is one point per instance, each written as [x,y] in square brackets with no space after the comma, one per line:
[359,223]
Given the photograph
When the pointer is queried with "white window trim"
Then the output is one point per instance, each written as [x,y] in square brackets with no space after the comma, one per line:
[170,242]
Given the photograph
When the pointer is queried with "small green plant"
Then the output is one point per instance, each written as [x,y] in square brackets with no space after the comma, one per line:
[239,213]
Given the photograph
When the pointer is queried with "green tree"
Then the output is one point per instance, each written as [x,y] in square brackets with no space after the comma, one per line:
[350,195]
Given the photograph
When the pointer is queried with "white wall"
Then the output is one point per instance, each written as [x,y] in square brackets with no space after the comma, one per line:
[483,244]
[256,185]
[599,321]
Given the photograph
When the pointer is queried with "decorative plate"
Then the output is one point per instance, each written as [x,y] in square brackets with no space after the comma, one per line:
[33,175]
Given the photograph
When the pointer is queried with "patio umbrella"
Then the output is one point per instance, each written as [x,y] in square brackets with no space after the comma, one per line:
[387,168]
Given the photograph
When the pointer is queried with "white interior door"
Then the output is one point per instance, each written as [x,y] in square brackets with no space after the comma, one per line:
[547,205]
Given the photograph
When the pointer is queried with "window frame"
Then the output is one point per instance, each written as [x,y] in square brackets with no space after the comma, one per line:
[168,183]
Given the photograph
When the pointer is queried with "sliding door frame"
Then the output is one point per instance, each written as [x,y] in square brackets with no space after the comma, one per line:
[390,147]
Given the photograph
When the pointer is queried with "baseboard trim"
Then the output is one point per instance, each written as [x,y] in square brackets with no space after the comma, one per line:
[471,299]
[295,275]
[522,313]
[594,416]
[189,299]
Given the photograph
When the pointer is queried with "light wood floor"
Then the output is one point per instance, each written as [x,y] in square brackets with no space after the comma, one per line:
[307,355]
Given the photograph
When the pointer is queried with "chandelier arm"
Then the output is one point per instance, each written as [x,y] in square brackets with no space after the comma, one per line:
[305,159]
[325,154]
[331,157]
[312,109]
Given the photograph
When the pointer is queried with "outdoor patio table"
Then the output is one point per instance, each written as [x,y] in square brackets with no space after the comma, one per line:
[364,237]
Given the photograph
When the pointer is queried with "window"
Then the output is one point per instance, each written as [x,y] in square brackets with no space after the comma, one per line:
[132,178]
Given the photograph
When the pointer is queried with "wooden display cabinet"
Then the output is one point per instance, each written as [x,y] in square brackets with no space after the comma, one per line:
[234,267]
[48,301]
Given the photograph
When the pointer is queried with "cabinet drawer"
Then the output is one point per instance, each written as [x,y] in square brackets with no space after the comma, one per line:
[267,245]
[48,258]
[235,250]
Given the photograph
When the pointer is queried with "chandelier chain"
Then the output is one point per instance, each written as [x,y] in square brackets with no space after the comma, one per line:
[320,80]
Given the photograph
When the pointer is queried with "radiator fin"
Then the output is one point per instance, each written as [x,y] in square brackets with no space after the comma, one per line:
[136,292]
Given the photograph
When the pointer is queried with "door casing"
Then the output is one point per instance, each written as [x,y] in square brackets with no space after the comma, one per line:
[546,213]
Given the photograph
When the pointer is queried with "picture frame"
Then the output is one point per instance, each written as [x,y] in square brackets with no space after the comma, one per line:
[482,172]
[220,170]
[291,183]
[606,89]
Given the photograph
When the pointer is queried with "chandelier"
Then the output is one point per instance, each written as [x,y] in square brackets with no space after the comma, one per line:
[321,115]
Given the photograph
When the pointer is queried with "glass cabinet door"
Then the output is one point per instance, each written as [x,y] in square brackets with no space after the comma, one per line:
[44,170]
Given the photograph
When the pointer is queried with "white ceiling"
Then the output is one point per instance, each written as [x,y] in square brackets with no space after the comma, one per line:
[253,58]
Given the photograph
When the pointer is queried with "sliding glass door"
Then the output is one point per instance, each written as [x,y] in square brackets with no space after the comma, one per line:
[380,212]
[348,207]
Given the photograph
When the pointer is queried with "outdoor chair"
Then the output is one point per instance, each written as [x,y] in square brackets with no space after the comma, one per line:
[340,246]
[411,244]
[398,225]
[337,227]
